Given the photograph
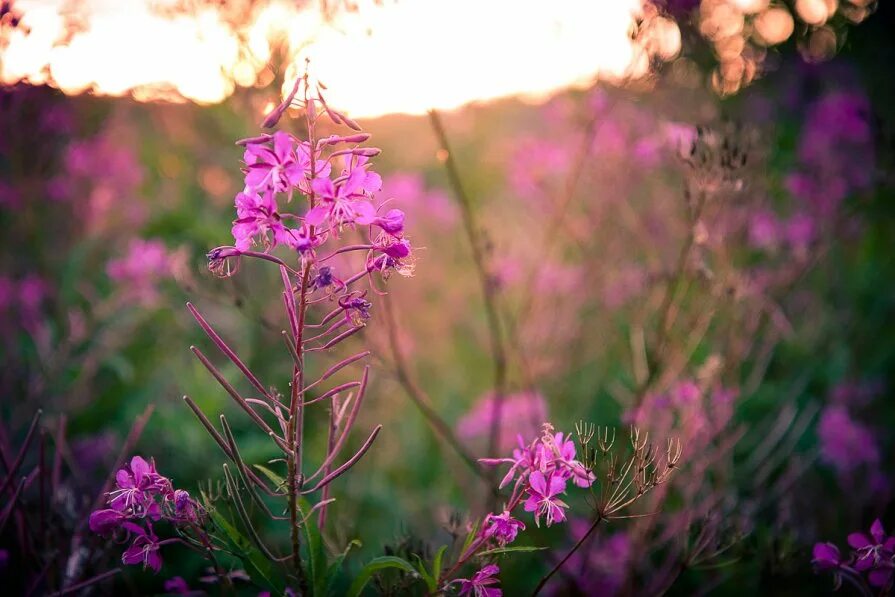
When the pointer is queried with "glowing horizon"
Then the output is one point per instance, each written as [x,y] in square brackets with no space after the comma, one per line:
[401,57]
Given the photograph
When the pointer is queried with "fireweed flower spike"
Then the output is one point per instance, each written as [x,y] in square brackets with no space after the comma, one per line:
[302,195]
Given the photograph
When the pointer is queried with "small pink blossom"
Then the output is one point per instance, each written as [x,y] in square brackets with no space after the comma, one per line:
[481,584]
[542,498]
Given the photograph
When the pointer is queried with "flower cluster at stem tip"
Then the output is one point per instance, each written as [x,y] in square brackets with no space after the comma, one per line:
[334,174]
[872,558]
[141,497]
[540,472]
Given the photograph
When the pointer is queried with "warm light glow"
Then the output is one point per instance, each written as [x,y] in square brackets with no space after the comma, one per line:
[816,12]
[774,26]
[750,6]
[406,56]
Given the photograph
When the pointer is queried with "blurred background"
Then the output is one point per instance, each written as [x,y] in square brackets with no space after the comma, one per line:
[687,214]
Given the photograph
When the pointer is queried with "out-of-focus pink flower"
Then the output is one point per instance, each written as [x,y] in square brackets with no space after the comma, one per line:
[521,413]
[764,230]
[799,231]
[138,272]
[845,443]
[425,204]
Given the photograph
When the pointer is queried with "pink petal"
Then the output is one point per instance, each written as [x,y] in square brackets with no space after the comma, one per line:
[316,215]
[538,482]
[282,145]
[365,213]
[876,529]
[858,540]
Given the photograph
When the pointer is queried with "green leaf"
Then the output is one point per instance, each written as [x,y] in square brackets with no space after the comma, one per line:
[277,480]
[250,555]
[333,571]
[521,548]
[374,566]
[436,564]
[314,545]
[470,537]
[421,567]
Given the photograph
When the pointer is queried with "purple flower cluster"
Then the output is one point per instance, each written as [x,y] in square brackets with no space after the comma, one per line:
[339,185]
[542,470]
[872,558]
[141,497]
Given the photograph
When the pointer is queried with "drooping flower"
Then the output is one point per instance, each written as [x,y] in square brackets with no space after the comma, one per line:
[144,550]
[503,528]
[481,583]
[184,507]
[826,556]
[357,309]
[542,498]
[105,521]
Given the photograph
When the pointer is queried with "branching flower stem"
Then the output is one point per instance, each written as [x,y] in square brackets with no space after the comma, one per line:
[489,290]
[418,396]
[558,566]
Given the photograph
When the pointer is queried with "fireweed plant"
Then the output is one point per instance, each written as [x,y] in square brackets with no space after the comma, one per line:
[330,184]
[333,175]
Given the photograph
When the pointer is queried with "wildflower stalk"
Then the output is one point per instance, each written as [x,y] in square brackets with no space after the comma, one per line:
[555,225]
[87,583]
[489,290]
[546,578]
[419,397]
[666,309]
[296,425]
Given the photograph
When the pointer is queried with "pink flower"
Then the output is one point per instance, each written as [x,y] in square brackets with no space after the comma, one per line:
[272,168]
[480,584]
[135,487]
[844,442]
[144,550]
[343,201]
[542,498]
[103,522]
[502,527]
[139,271]
[259,221]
